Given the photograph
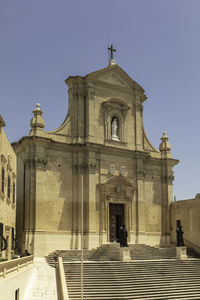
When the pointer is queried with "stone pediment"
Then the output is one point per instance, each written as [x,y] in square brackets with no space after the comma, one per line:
[114,79]
[114,75]
[117,188]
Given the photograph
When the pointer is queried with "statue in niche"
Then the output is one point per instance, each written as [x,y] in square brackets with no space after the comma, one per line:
[114,127]
[123,236]
[179,232]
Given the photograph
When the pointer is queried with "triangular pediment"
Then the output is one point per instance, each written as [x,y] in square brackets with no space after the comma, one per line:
[114,75]
[113,79]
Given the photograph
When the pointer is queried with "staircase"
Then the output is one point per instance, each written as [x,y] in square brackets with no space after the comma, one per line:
[111,252]
[144,252]
[153,273]
[159,279]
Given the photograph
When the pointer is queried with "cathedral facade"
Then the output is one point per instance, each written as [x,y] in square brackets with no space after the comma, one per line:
[100,156]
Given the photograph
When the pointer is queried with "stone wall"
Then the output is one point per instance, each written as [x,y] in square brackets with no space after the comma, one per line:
[188,212]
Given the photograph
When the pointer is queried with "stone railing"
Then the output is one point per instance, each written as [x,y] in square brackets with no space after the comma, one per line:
[192,246]
[14,265]
[62,282]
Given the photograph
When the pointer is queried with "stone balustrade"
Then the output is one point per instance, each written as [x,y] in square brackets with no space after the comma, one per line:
[14,265]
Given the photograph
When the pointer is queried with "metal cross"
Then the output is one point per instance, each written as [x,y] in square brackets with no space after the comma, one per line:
[111,49]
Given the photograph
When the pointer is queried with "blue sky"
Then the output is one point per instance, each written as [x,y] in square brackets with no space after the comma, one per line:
[158,45]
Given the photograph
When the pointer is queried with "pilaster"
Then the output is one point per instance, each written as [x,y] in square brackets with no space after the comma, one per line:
[90,114]
[140,201]
[86,168]
[138,123]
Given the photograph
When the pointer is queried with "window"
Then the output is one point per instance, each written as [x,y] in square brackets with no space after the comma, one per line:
[2,179]
[13,239]
[3,241]
[8,186]
[13,193]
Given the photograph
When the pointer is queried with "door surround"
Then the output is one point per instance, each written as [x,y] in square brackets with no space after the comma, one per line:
[115,190]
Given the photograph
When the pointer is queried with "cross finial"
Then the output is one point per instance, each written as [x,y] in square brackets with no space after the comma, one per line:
[111,49]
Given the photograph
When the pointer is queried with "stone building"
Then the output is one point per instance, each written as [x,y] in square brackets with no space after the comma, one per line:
[186,212]
[7,195]
[100,151]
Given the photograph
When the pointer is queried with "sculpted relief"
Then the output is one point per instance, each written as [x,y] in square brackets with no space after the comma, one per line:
[117,189]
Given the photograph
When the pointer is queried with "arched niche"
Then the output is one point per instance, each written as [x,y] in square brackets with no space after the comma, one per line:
[115,109]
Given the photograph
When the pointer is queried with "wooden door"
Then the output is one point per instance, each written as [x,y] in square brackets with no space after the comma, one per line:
[116,220]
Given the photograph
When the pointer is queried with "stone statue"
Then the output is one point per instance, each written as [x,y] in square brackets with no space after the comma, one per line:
[114,130]
[123,236]
[179,232]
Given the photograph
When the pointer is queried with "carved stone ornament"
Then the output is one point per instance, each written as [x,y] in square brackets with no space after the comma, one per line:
[39,163]
[37,121]
[3,159]
[167,178]
[141,173]
[139,107]
[91,92]
[92,167]
[85,167]
[111,169]
[118,198]
[118,188]
[123,170]
[116,104]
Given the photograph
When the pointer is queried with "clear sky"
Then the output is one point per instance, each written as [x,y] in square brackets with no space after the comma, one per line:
[42,42]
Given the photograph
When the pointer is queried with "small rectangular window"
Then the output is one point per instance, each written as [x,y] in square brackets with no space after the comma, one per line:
[8,186]
[13,192]
[13,239]
[2,180]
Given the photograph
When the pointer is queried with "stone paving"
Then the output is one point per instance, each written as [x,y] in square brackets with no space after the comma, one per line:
[43,283]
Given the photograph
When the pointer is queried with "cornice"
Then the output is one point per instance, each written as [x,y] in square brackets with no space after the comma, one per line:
[31,140]
[2,123]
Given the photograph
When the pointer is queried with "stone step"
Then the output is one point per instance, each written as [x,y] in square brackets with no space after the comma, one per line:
[135,280]
[110,252]
[145,295]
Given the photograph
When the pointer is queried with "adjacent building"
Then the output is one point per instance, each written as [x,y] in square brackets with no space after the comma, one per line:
[7,196]
[186,213]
